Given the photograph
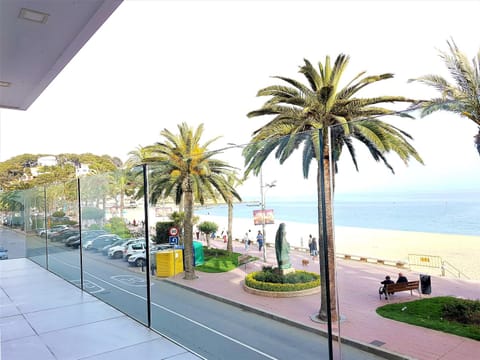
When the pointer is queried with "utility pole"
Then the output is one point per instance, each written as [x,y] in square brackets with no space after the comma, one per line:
[262,197]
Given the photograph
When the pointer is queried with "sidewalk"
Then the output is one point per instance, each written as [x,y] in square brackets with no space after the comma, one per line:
[360,323]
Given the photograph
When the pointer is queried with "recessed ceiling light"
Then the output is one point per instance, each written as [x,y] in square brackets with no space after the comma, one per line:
[33,15]
[5,83]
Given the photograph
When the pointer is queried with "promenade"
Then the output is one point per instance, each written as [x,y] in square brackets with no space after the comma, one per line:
[357,284]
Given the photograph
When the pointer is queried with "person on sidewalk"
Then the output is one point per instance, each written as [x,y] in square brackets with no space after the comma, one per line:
[260,240]
[314,251]
[247,240]
[402,278]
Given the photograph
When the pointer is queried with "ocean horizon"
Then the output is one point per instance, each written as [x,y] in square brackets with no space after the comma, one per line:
[447,213]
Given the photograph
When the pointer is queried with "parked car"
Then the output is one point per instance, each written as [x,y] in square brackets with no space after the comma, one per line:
[115,244]
[62,235]
[3,253]
[140,259]
[136,247]
[99,242]
[52,230]
[116,252]
[87,241]
[74,241]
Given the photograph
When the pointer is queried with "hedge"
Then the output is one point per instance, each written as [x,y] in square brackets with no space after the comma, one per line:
[250,281]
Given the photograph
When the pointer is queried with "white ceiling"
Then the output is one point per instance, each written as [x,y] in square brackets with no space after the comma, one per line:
[32,54]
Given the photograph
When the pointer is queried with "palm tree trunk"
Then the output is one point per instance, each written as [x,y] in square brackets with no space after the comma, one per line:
[229,227]
[188,232]
[322,315]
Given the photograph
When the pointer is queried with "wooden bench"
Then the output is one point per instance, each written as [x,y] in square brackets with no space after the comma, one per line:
[408,286]
[244,259]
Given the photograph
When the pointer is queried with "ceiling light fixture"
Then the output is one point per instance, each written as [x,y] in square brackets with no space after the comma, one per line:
[5,83]
[33,15]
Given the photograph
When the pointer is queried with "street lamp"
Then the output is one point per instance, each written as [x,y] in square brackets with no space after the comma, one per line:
[262,193]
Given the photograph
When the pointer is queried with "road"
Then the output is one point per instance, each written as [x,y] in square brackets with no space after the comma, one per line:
[208,327]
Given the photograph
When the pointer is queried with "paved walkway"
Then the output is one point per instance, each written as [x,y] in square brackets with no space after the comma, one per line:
[358,284]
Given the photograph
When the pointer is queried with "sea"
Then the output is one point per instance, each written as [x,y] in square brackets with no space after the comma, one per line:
[446,213]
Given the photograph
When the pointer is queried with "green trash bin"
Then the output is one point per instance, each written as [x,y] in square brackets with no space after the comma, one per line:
[198,257]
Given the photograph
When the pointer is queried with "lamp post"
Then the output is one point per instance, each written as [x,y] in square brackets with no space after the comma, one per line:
[262,194]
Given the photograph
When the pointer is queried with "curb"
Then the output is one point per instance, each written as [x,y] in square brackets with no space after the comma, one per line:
[386,354]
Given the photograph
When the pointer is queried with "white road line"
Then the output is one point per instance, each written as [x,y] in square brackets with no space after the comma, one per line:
[180,316]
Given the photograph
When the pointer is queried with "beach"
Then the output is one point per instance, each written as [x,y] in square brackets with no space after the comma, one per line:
[461,251]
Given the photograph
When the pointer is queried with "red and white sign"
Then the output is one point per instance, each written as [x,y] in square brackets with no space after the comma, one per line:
[173,231]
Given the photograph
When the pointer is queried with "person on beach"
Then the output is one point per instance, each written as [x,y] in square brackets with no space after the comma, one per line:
[402,278]
[385,283]
[260,240]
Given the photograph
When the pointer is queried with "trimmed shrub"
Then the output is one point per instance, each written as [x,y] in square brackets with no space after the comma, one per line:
[270,280]
[463,311]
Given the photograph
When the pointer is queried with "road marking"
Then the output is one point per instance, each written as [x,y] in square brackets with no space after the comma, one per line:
[176,314]
[89,286]
[215,332]
[131,280]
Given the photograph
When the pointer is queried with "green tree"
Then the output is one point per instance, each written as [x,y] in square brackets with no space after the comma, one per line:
[301,113]
[462,96]
[116,225]
[208,227]
[161,231]
[186,169]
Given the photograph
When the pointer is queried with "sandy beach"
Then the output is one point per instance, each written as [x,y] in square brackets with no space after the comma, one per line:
[458,250]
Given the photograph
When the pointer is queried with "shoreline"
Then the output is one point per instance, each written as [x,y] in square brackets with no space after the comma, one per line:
[395,245]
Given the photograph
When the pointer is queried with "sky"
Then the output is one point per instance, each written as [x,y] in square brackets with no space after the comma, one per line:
[155,64]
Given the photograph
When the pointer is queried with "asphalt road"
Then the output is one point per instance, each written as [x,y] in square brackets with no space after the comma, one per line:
[208,327]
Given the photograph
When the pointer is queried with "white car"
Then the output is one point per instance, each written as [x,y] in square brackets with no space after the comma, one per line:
[139,259]
[52,230]
[116,252]
[136,247]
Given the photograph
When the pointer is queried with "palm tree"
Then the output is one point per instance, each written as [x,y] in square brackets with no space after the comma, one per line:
[187,169]
[461,97]
[234,181]
[137,156]
[301,113]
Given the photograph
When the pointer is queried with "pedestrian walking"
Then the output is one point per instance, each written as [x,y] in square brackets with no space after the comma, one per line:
[247,240]
[260,240]
[314,248]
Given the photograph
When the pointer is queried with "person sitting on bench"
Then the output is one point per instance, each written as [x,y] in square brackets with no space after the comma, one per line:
[385,283]
[402,278]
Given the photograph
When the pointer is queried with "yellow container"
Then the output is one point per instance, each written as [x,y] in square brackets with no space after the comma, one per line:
[169,262]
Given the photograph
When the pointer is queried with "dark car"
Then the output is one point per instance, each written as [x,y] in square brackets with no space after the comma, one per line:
[3,253]
[74,241]
[63,234]
[100,242]
[107,247]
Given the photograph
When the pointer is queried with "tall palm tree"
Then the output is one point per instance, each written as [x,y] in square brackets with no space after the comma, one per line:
[301,113]
[461,97]
[234,181]
[187,169]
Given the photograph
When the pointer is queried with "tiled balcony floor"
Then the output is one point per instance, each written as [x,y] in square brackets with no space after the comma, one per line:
[43,317]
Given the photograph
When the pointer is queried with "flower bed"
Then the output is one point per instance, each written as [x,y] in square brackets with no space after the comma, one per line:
[267,283]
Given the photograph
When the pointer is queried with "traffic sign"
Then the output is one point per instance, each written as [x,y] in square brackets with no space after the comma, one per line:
[173,231]
[173,240]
